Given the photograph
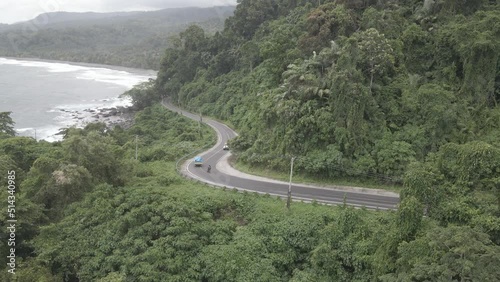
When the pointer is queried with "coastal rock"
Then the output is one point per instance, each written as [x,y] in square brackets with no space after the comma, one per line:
[119,116]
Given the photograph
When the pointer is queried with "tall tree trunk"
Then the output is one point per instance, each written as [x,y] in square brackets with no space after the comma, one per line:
[371,80]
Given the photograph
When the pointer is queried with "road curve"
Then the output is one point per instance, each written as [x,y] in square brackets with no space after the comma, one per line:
[225,176]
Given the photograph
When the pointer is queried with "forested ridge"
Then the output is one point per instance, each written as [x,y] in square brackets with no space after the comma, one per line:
[88,211]
[352,87]
[130,39]
[391,91]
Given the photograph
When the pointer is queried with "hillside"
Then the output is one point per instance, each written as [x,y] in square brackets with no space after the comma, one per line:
[403,92]
[88,211]
[387,91]
[52,19]
[131,39]
[352,88]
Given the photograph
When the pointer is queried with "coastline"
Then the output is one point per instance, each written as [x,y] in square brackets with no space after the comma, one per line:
[112,111]
[122,116]
[83,64]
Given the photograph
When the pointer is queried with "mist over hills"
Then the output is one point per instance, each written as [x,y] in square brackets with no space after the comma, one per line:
[131,39]
[170,15]
[55,18]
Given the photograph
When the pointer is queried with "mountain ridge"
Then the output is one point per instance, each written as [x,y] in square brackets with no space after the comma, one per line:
[46,20]
[130,39]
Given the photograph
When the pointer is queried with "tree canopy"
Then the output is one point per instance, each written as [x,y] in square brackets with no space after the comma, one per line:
[6,124]
[390,91]
[385,83]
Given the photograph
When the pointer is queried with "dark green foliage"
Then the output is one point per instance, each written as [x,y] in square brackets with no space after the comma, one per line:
[449,254]
[62,173]
[459,185]
[31,270]
[189,232]
[250,15]
[24,151]
[304,79]
[160,227]
[143,95]
[6,124]
[423,183]
[402,92]
[342,253]
[100,155]
[409,218]
[397,91]
[392,158]
[164,135]
[325,23]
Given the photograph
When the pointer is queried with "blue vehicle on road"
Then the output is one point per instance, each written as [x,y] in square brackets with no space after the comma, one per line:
[198,161]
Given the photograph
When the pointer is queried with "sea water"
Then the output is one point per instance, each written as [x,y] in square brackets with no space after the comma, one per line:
[45,96]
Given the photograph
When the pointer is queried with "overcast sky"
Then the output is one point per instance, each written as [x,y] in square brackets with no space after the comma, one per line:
[20,10]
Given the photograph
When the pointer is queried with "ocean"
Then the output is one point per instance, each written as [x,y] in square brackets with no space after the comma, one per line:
[45,96]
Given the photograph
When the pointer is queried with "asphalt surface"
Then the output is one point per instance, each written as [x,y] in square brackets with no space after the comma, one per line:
[225,176]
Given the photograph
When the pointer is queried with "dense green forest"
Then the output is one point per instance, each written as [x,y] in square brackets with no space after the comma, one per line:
[389,91]
[352,88]
[399,91]
[88,211]
[130,39]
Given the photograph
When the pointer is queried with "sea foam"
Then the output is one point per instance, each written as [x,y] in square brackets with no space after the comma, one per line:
[117,77]
[81,112]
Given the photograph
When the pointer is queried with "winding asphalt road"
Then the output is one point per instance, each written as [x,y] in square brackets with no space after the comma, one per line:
[223,175]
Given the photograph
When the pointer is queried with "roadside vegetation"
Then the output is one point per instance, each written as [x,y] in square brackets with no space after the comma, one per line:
[403,90]
[307,179]
[88,211]
[358,89]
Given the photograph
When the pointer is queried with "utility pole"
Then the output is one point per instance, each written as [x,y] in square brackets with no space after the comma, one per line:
[35,135]
[199,125]
[289,198]
[136,147]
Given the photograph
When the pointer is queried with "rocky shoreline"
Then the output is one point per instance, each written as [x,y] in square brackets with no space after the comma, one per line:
[117,116]
[112,116]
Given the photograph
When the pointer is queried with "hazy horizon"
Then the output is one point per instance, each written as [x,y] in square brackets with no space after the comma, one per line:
[15,11]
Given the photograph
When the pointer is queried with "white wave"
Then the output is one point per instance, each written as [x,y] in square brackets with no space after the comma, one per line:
[79,115]
[73,115]
[121,102]
[27,129]
[80,112]
[95,105]
[47,133]
[117,77]
[51,67]
[121,78]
